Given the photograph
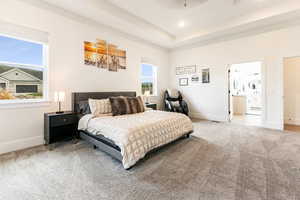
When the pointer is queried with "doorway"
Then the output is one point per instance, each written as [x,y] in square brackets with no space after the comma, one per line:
[291,71]
[245,94]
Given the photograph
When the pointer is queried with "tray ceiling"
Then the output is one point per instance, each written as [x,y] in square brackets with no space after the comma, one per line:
[169,24]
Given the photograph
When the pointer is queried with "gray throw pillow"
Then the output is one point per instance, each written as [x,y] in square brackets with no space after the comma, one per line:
[119,106]
[136,104]
[84,107]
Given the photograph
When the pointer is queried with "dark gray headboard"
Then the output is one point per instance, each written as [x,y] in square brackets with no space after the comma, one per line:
[84,96]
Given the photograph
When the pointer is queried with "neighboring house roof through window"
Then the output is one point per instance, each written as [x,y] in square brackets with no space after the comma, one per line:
[35,74]
[3,80]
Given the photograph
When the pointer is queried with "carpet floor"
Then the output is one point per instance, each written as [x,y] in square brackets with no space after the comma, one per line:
[219,162]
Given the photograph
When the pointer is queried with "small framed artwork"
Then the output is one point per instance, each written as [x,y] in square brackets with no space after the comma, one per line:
[192,69]
[195,79]
[179,70]
[183,82]
[205,76]
[186,70]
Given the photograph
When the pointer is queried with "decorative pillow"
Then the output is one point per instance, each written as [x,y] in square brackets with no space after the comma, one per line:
[173,93]
[136,104]
[120,106]
[84,107]
[100,106]
[175,103]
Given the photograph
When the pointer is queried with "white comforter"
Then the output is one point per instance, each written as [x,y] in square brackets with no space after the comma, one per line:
[137,134]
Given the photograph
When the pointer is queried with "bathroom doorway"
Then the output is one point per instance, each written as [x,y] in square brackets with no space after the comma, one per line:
[245,93]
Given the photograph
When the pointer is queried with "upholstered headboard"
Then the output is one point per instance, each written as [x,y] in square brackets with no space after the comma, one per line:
[81,98]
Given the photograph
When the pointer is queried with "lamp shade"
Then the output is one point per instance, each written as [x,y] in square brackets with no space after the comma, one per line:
[59,96]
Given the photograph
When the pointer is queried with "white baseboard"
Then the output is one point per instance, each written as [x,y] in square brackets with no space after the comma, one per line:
[265,124]
[272,125]
[292,122]
[15,145]
[207,117]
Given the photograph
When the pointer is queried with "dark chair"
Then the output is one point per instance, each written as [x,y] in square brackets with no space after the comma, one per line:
[175,103]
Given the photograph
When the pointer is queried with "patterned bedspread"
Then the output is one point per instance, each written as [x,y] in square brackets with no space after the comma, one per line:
[137,134]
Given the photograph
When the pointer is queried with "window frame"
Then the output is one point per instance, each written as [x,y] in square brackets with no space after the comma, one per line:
[34,87]
[155,75]
[44,67]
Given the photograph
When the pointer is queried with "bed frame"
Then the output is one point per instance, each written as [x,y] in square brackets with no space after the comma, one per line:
[100,141]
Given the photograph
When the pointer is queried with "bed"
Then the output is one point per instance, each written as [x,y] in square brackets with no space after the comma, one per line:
[128,138]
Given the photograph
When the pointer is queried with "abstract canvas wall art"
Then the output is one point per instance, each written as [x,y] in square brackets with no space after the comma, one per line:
[104,55]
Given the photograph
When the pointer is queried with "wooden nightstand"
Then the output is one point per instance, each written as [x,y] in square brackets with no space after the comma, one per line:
[58,127]
[152,105]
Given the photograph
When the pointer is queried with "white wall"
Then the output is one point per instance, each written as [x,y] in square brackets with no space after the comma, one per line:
[23,127]
[210,101]
[292,90]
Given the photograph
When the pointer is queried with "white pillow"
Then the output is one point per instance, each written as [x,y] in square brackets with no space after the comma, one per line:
[100,106]
[175,103]
[173,93]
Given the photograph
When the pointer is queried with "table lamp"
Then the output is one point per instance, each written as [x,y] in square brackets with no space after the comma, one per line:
[147,94]
[59,97]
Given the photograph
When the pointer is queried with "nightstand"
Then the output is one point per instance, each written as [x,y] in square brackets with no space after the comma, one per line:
[152,105]
[58,127]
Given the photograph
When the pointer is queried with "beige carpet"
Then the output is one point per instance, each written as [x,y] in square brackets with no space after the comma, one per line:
[220,162]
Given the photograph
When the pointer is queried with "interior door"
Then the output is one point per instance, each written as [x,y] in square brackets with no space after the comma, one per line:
[230,106]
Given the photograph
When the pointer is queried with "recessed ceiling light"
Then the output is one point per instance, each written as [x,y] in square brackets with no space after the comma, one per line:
[181,24]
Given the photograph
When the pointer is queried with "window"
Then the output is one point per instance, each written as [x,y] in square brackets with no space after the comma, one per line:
[22,69]
[148,78]
[26,89]
[2,86]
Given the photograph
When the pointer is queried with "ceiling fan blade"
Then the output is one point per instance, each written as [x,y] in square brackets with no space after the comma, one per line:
[179,4]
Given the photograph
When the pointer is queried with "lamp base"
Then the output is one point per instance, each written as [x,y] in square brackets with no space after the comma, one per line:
[59,109]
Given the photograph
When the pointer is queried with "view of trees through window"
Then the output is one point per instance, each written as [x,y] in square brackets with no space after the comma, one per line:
[21,69]
[148,78]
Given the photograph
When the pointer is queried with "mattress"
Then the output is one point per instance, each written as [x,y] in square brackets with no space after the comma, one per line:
[137,134]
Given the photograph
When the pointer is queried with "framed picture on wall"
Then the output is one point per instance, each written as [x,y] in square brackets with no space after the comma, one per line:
[183,82]
[186,70]
[104,55]
[192,69]
[205,76]
[179,70]
[195,79]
